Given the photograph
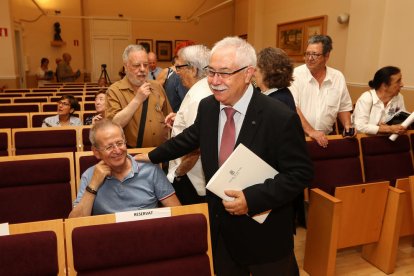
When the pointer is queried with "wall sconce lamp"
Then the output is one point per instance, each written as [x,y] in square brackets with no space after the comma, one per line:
[343,18]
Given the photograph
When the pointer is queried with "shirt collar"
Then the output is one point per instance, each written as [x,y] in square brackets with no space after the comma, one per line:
[270,91]
[241,105]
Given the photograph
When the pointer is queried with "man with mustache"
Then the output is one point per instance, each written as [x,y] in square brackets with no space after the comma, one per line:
[139,105]
[235,114]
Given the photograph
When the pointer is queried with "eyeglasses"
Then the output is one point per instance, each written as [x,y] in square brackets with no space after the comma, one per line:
[224,75]
[63,103]
[312,55]
[179,67]
[111,147]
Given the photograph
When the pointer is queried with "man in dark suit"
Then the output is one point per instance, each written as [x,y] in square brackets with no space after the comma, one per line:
[267,127]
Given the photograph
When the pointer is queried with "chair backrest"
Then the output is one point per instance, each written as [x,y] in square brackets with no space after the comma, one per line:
[37,118]
[19,90]
[31,99]
[44,140]
[88,106]
[5,142]
[11,95]
[384,159]
[6,100]
[363,208]
[86,159]
[337,165]
[144,247]
[14,120]
[35,248]
[52,107]
[84,135]
[36,187]
[86,114]
[19,108]
[41,94]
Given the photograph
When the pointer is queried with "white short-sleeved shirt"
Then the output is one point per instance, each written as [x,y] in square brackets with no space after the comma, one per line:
[184,118]
[320,105]
[370,111]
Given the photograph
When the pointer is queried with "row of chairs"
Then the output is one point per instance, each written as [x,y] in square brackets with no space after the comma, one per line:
[43,186]
[41,107]
[21,141]
[138,247]
[353,202]
[55,88]
[34,119]
[44,98]
[47,93]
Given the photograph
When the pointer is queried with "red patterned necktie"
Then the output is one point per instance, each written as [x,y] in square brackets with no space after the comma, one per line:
[228,137]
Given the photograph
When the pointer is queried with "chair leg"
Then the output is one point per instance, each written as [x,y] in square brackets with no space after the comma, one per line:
[383,253]
[322,234]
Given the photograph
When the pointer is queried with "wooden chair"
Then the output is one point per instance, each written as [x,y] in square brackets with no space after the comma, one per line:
[89,106]
[39,94]
[5,142]
[19,108]
[14,120]
[33,248]
[384,159]
[86,159]
[6,100]
[83,137]
[36,187]
[18,90]
[31,99]
[144,247]
[52,107]
[337,165]
[365,214]
[407,226]
[37,118]
[44,140]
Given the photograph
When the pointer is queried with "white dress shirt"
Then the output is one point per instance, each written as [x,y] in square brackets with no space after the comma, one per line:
[370,111]
[320,105]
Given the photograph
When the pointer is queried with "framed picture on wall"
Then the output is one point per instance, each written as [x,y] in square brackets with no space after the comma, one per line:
[292,36]
[164,50]
[176,42]
[146,43]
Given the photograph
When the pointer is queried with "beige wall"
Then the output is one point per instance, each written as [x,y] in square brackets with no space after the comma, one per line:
[75,17]
[8,72]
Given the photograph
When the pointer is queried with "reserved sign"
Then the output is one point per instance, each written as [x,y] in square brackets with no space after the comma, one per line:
[143,214]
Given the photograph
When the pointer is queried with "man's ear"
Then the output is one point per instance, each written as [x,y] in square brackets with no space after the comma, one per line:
[249,74]
[96,152]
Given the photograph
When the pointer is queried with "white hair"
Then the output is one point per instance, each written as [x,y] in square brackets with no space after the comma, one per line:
[131,48]
[197,56]
[245,53]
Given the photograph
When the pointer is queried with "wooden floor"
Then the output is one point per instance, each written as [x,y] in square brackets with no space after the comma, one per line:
[349,261]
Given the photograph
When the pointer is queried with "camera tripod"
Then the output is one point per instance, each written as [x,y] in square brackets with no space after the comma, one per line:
[104,75]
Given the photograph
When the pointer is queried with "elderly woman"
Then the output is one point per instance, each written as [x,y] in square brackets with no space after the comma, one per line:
[274,74]
[66,107]
[186,173]
[378,105]
[100,99]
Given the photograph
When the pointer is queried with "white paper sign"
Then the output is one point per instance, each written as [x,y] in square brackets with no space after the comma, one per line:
[4,229]
[143,214]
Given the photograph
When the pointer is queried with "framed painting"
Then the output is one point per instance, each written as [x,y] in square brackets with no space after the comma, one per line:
[164,50]
[177,42]
[146,43]
[292,36]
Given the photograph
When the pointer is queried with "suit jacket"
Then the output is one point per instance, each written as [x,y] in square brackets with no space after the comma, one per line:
[275,134]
